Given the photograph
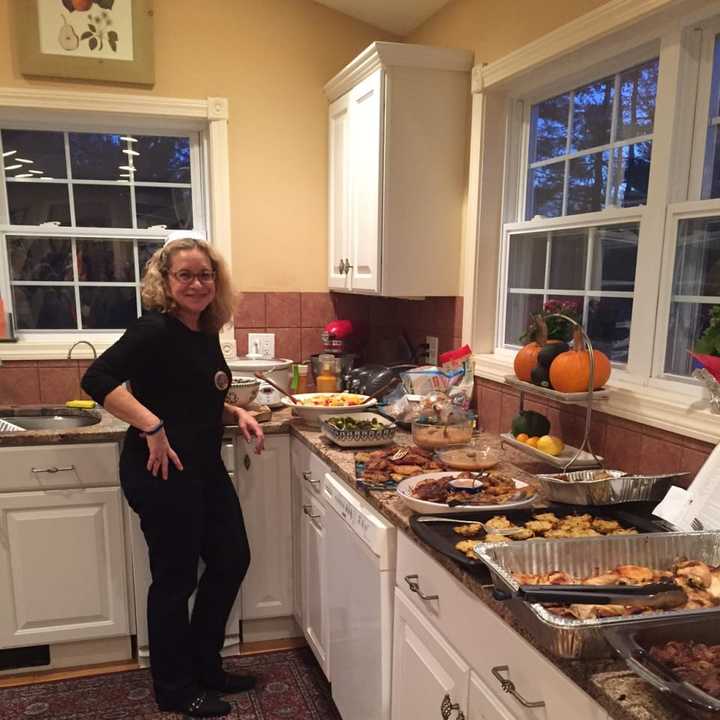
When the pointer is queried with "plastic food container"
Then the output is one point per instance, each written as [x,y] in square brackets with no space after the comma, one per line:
[433,436]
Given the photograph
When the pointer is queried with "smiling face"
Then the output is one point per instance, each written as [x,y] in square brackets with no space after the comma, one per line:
[194,296]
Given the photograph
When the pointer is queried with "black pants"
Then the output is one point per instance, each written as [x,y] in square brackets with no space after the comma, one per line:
[193,514]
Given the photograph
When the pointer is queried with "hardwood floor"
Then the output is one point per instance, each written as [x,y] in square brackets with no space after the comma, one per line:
[41,676]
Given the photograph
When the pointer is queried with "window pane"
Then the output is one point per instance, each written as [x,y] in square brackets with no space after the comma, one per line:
[636,104]
[687,323]
[546,191]
[711,182]
[587,183]
[105,261]
[96,157]
[715,96]
[614,257]
[592,114]
[697,258]
[145,252]
[549,128]
[162,159]
[34,203]
[44,308]
[608,326]
[46,150]
[40,258]
[631,175]
[102,206]
[171,207]
[567,260]
[526,261]
[519,309]
[107,308]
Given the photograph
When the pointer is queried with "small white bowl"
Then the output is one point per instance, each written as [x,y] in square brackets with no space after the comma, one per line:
[242,392]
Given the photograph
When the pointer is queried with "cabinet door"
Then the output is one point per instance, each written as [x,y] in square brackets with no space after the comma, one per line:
[62,566]
[315,621]
[263,483]
[299,464]
[366,135]
[426,669]
[482,704]
[339,193]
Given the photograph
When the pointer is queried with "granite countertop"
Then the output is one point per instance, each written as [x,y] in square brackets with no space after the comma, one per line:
[619,691]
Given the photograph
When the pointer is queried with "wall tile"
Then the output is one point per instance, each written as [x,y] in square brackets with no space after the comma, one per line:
[241,338]
[510,408]
[310,342]
[622,449]
[19,385]
[660,456]
[250,311]
[489,410]
[287,343]
[458,316]
[316,310]
[442,315]
[58,384]
[691,461]
[283,310]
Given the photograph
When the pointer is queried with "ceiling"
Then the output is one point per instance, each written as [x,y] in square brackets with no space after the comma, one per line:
[399,17]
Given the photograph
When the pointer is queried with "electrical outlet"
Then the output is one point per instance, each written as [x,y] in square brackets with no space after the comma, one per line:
[261,344]
[432,351]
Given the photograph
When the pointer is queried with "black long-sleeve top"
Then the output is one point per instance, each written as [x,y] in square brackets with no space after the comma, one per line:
[177,373]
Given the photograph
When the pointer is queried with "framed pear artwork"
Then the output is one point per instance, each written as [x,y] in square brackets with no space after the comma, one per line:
[104,40]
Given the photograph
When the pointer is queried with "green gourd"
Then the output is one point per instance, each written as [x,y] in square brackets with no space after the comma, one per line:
[531,423]
[540,375]
[550,352]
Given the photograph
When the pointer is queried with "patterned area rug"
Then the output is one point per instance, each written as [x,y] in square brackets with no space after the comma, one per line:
[290,686]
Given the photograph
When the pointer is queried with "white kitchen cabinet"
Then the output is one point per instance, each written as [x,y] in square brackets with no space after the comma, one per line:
[426,670]
[397,151]
[299,469]
[264,488]
[62,566]
[315,620]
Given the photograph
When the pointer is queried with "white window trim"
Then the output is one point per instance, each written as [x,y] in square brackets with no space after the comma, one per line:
[208,116]
[620,25]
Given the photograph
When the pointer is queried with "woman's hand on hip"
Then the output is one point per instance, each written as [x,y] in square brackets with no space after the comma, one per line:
[250,428]
[161,454]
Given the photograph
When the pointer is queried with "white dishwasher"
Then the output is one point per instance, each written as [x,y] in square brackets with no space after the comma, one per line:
[360,562]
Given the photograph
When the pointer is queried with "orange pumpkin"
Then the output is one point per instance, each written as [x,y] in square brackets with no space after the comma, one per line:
[570,371]
[526,357]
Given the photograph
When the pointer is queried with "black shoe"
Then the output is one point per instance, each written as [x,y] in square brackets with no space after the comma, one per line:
[205,705]
[230,683]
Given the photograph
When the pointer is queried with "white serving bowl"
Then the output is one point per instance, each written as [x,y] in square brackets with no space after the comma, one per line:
[311,414]
[242,391]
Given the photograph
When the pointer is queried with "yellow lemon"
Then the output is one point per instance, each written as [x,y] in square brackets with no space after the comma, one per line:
[549,445]
[559,443]
[533,441]
[522,437]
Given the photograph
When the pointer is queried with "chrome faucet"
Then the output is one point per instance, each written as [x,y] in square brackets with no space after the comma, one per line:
[82,342]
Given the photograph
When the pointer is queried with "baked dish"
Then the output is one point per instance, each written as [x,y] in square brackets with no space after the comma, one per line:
[695,663]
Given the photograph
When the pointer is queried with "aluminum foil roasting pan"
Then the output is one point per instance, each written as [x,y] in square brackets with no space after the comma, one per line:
[579,488]
[571,638]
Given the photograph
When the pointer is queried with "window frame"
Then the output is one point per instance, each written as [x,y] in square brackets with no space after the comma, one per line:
[204,119]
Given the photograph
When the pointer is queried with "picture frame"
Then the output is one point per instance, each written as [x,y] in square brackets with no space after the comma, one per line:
[101,40]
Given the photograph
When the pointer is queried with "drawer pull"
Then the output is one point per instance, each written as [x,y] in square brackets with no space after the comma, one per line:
[54,469]
[508,686]
[307,509]
[447,707]
[307,475]
[412,581]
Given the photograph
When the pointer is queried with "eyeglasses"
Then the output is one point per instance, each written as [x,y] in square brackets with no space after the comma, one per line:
[185,277]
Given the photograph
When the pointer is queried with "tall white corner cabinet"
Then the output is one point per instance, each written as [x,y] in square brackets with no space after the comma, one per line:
[398,130]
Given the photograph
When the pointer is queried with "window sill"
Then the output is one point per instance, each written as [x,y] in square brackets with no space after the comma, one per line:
[54,349]
[664,409]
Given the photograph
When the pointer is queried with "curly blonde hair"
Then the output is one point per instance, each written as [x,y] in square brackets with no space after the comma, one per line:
[155,291]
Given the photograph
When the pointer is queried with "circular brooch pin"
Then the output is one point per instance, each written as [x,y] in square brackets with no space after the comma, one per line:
[222,381]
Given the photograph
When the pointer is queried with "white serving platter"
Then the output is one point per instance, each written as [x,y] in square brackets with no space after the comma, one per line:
[425,507]
[311,414]
[584,460]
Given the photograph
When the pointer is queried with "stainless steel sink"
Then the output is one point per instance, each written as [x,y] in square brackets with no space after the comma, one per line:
[56,421]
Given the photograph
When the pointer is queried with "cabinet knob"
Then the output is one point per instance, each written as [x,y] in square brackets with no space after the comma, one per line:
[307,509]
[246,461]
[412,581]
[307,476]
[508,686]
[348,266]
[447,707]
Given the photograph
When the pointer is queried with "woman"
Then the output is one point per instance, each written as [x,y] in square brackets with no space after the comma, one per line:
[171,470]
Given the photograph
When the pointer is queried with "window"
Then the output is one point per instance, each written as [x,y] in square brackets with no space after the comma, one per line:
[82,213]
[612,204]
[590,148]
[591,271]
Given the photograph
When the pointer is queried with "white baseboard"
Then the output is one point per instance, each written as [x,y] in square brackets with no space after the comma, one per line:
[270,629]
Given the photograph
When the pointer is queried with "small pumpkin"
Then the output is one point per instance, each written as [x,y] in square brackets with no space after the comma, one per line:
[527,357]
[570,371]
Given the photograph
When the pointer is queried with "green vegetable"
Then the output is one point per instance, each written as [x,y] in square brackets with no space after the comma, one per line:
[709,342]
[531,423]
[540,376]
[349,424]
[550,352]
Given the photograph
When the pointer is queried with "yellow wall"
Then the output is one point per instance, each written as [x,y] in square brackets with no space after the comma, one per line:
[493,28]
[270,58]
